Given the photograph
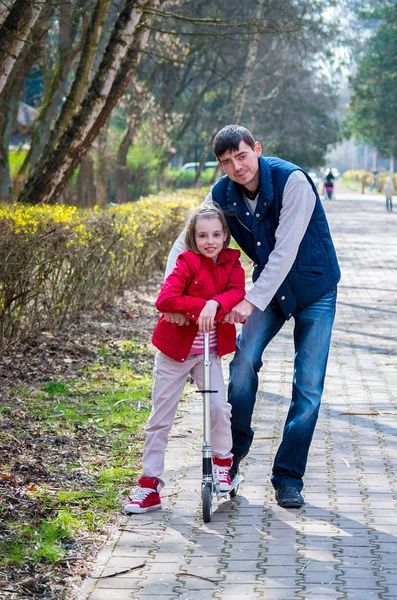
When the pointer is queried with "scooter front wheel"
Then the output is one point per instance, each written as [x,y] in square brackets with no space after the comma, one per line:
[206,498]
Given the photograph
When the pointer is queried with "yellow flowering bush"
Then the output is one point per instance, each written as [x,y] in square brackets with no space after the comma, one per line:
[57,260]
[367,177]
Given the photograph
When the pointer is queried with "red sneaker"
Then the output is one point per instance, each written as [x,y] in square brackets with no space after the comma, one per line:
[221,468]
[146,496]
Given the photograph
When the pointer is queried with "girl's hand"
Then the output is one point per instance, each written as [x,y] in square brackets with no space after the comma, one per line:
[205,321]
[177,318]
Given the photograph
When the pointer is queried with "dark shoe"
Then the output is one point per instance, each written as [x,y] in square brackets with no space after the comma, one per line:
[235,469]
[288,496]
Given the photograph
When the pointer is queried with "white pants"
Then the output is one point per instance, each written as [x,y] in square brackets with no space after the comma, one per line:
[169,380]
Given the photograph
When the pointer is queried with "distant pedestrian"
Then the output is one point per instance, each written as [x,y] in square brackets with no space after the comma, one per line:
[329,185]
[363,183]
[206,284]
[389,190]
[374,180]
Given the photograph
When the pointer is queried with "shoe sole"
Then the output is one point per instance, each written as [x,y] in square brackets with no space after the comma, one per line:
[235,483]
[137,510]
[291,504]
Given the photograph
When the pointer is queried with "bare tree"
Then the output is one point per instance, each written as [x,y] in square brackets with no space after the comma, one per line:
[9,97]
[66,53]
[121,58]
[81,79]
[140,98]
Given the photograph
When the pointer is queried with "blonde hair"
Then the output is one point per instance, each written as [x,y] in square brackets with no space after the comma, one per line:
[207,211]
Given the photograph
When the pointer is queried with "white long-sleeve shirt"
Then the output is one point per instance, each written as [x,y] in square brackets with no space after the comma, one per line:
[297,208]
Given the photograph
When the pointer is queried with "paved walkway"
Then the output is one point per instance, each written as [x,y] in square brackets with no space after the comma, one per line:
[343,542]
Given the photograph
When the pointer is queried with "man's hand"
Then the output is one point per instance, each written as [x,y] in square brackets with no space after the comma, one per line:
[239,313]
[177,318]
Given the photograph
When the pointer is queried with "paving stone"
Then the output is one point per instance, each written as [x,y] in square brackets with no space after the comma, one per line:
[113,594]
[160,591]
[238,595]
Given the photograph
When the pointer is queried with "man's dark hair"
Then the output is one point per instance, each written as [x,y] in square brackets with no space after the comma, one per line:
[229,138]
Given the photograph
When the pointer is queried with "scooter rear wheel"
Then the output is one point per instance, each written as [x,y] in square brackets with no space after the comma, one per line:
[206,498]
[233,492]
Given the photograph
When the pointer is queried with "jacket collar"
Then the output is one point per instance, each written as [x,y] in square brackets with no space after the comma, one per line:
[222,258]
[234,193]
[195,259]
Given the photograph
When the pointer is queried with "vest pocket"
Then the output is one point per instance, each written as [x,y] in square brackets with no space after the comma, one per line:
[312,272]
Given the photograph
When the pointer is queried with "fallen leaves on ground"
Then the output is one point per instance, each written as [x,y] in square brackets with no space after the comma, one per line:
[34,455]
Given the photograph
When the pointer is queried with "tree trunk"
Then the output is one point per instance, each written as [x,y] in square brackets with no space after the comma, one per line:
[119,62]
[81,78]
[140,99]
[4,10]
[261,98]
[249,67]
[242,90]
[85,183]
[14,32]
[5,136]
[9,98]
[52,97]
[209,143]
[207,148]
[101,171]
[121,167]
[391,166]
[189,116]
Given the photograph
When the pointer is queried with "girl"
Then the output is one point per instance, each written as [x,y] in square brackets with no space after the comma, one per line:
[206,283]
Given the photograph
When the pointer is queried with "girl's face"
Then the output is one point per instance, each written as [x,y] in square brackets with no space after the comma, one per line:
[209,237]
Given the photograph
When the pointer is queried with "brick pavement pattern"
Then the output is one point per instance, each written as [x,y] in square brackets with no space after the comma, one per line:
[343,542]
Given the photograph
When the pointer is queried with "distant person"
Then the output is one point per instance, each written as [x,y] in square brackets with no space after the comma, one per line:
[206,283]
[275,215]
[329,184]
[374,180]
[363,183]
[389,190]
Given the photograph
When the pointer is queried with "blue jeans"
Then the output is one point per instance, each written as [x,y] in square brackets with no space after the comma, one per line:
[312,338]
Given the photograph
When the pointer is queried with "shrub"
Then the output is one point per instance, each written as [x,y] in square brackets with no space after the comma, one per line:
[56,260]
[367,176]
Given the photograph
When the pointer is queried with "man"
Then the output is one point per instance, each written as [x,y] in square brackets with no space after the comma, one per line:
[275,215]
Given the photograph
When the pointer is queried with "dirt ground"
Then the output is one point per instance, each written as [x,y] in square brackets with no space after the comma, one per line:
[57,356]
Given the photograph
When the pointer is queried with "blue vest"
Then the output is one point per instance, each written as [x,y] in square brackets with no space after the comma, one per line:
[315,270]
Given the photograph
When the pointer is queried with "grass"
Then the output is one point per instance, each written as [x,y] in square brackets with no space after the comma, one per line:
[350,183]
[16,159]
[85,437]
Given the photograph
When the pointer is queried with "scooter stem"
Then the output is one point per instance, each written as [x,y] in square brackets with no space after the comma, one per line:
[207,450]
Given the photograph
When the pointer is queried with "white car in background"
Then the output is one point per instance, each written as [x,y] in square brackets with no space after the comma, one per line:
[192,166]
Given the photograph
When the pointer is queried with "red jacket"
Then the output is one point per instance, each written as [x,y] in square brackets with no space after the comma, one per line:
[194,280]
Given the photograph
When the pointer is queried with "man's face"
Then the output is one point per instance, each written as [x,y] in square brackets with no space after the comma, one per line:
[242,165]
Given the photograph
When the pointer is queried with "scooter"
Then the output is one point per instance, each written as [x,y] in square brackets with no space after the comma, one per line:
[210,486]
